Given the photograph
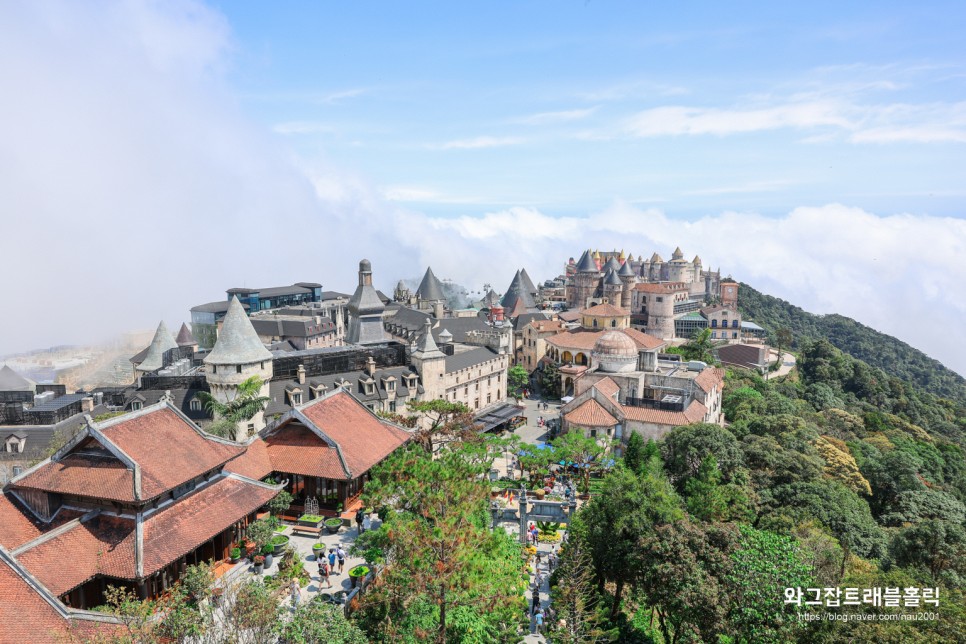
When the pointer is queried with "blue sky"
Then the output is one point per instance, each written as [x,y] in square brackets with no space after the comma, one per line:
[155,154]
[566,106]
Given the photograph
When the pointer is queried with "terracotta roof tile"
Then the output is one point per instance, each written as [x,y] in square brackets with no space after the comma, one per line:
[585,340]
[94,475]
[362,437]
[694,413]
[710,378]
[17,527]
[607,387]
[102,545]
[194,519]
[294,449]
[254,463]
[604,309]
[159,438]
[25,615]
[591,413]
[643,340]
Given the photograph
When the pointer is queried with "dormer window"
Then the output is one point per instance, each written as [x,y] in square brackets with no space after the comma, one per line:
[136,405]
[15,444]
[294,396]
[195,404]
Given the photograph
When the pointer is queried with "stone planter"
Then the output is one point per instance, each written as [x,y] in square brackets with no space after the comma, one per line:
[318,552]
[279,542]
[268,561]
[258,568]
[311,520]
[332,526]
[539,493]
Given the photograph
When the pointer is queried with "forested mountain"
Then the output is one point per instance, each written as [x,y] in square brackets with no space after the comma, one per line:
[877,349]
[836,476]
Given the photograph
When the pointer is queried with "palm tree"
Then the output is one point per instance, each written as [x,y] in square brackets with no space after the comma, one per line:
[246,403]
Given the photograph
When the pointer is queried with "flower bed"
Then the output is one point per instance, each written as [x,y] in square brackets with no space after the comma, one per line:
[549,537]
[312,520]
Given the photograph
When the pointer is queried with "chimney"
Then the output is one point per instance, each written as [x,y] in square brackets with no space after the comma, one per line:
[87,405]
[300,374]
[371,367]
[438,310]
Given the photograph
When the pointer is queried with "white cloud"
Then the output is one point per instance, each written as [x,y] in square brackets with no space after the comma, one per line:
[478,143]
[677,120]
[303,127]
[547,118]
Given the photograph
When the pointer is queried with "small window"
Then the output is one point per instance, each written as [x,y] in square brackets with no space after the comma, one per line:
[593,433]
[17,470]
[136,405]
[195,404]
[214,368]
[237,368]
[296,399]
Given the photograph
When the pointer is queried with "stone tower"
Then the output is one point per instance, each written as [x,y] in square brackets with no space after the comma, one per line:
[154,359]
[628,279]
[584,281]
[656,268]
[729,293]
[679,269]
[613,288]
[238,355]
[429,295]
[365,311]
[430,363]
[697,278]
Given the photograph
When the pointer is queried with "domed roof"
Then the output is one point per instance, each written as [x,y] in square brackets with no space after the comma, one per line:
[615,351]
[365,266]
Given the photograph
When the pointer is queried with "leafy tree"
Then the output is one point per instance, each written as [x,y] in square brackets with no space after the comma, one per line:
[821,551]
[580,449]
[783,340]
[935,545]
[517,380]
[442,563]
[613,523]
[574,598]
[550,380]
[281,503]
[763,565]
[840,465]
[699,347]
[260,531]
[246,402]
[316,621]
[685,448]
[710,500]
[443,420]
[634,458]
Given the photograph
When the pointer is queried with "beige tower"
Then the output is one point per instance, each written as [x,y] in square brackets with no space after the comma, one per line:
[430,364]
[238,355]
[679,269]
[628,279]
[154,359]
[613,288]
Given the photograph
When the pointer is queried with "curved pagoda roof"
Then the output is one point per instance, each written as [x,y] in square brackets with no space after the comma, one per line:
[237,342]
[430,288]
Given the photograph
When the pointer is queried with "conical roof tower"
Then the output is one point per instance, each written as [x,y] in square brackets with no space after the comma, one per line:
[517,296]
[237,343]
[586,263]
[430,289]
[185,339]
[531,289]
[162,341]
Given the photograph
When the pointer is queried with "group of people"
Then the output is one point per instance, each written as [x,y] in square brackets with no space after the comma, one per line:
[327,565]
[363,521]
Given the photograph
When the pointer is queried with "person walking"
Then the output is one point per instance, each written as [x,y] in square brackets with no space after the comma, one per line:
[340,554]
[296,592]
[535,600]
[359,515]
[332,560]
[324,573]
[366,523]
[538,621]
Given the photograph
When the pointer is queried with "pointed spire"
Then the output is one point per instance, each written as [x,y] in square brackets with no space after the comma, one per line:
[237,342]
[696,261]
[656,259]
[626,270]
[678,253]
[586,263]
[425,344]
[430,288]
[185,338]
[531,288]
[612,264]
[611,278]
[162,341]
[517,293]
[10,380]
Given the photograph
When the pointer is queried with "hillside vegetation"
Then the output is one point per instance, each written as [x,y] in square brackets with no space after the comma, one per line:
[877,349]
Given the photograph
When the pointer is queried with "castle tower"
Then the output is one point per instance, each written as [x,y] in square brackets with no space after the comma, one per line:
[729,293]
[697,278]
[613,288]
[365,311]
[430,363]
[628,279]
[679,269]
[430,292]
[656,268]
[585,279]
[401,294]
[238,355]
[154,359]
[185,339]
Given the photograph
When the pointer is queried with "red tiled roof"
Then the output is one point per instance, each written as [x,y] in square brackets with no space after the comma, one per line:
[294,449]
[194,519]
[363,439]
[694,413]
[569,316]
[605,309]
[25,615]
[254,463]
[100,476]
[159,438]
[710,378]
[543,326]
[590,413]
[607,387]
[643,340]
[102,545]
[17,527]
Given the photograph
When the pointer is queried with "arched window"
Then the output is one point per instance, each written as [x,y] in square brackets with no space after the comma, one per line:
[613,322]
[595,323]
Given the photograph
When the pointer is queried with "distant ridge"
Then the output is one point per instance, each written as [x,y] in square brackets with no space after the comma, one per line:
[890,354]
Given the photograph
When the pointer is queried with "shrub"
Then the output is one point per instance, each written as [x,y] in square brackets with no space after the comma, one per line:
[259,560]
[236,553]
[359,571]
[268,549]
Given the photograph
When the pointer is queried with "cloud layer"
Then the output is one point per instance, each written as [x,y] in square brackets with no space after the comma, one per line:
[135,188]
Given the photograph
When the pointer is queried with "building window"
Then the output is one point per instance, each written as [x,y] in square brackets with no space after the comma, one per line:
[488,398]
[660,299]
[714,324]
[593,433]
[392,406]
[734,335]
[136,405]
[237,368]
[17,470]
[296,399]
[195,404]
[613,322]
[214,368]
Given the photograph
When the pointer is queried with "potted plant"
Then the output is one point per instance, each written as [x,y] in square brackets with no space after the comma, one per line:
[249,548]
[259,562]
[318,550]
[279,542]
[338,507]
[267,551]
[333,525]
[357,573]
[235,554]
[311,520]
